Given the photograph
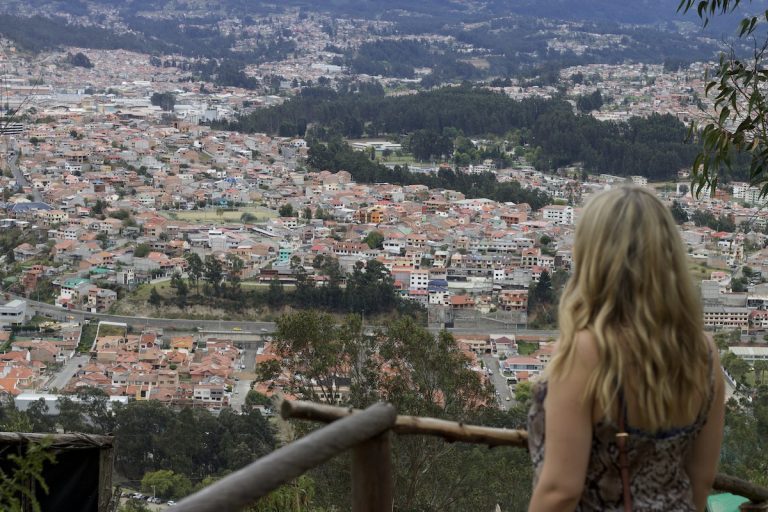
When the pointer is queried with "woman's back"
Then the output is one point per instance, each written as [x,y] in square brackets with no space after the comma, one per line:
[631,325]
[658,476]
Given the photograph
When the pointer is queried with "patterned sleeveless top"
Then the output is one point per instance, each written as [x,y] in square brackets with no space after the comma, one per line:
[658,480]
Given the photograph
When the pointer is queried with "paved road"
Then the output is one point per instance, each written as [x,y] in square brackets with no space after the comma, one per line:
[549,333]
[67,372]
[249,359]
[239,393]
[21,180]
[57,313]
[499,382]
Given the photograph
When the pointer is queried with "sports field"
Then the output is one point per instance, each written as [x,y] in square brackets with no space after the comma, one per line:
[221,215]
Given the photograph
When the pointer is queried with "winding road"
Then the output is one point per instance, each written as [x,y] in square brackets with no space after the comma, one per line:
[21,180]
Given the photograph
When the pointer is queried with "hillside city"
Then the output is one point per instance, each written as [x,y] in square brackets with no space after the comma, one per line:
[122,200]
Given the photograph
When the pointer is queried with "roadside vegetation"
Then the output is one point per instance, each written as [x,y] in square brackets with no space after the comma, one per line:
[213,290]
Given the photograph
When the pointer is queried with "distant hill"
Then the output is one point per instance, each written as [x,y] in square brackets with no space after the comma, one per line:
[640,12]
[513,37]
[620,11]
[623,11]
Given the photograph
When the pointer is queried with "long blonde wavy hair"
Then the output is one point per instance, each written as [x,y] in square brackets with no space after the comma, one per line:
[631,288]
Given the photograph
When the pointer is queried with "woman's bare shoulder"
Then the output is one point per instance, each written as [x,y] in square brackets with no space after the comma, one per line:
[586,349]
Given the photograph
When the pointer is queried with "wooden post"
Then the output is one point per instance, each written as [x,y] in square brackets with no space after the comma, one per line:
[242,488]
[372,480]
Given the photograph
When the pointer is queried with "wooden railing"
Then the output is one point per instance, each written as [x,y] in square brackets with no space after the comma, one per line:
[367,433]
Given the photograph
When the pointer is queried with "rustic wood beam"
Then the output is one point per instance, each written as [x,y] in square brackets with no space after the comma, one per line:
[739,487]
[453,431]
[412,425]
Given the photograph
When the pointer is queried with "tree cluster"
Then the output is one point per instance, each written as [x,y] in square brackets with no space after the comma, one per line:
[720,223]
[164,100]
[471,110]
[588,102]
[339,156]
[745,443]
[150,436]
[678,212]
[368,289]
[428,145]
[421,374]
[80,60]
[654,147]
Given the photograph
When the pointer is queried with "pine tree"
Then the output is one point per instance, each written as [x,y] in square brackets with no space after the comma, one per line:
[154,298]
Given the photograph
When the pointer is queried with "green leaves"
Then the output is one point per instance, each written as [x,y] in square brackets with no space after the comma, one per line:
[747,25]
[739,104]
[16,493]
[708,8]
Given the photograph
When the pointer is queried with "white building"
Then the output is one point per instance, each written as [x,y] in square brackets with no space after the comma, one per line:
[13,313]
[558,214]
[419,279]
[726,317]
[745,192]
[750,354]
[217,240]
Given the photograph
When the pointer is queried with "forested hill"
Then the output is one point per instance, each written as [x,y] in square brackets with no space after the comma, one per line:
[366,111]
[510,38]
[654,147]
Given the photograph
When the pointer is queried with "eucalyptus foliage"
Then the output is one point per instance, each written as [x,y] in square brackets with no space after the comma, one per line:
[737,87]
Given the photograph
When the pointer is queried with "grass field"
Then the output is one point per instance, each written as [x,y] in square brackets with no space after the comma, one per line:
[406,159]
[699,272]
[139,298]
[141,294]
[525,348]
[219,216]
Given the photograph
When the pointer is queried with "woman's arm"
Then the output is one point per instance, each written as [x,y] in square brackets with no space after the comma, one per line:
[568,434]
[701,464]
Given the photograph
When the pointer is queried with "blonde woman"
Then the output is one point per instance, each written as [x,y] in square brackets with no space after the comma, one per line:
[632,359]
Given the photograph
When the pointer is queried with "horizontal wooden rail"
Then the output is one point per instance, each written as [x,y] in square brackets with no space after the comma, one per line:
[244,487]
[69,441]
[739,487]
[453,431]
[448,430]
